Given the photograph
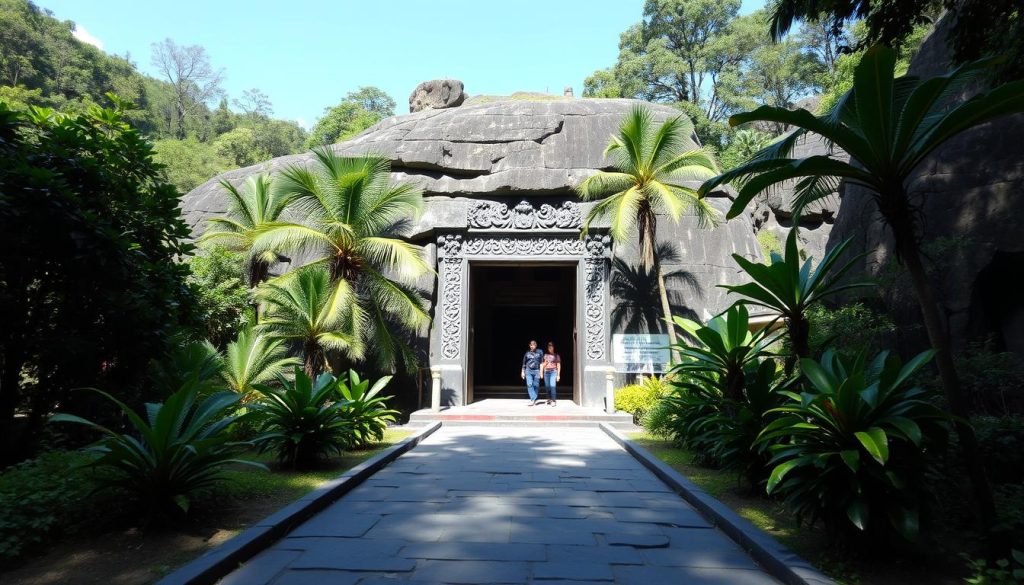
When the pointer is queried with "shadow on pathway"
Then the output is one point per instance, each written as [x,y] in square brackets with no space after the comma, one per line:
[534,505]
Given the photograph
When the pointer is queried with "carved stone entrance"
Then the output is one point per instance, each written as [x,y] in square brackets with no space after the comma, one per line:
[521,235]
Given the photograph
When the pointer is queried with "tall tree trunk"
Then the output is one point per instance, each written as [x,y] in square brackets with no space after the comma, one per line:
[648,224]
[903,227]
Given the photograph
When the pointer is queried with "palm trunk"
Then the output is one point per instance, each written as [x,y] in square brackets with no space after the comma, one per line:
[312,360]
[648,224]
[903,227]
[799,333]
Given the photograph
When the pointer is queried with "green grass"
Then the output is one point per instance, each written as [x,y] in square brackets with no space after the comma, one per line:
[286,485]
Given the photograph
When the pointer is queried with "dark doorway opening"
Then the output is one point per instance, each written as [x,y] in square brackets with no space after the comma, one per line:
[511,305]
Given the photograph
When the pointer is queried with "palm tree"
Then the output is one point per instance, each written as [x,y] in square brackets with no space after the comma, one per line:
[355,223]
[255,358]
[652,167]
[888,127]
[250,210]
[309,311]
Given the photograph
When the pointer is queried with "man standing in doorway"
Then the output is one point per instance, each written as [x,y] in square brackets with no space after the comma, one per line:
[531,370]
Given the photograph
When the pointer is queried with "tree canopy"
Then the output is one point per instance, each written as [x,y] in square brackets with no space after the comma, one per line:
[185,111]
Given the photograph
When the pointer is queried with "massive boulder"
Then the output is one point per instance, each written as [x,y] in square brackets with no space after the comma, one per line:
[436,95]
[519,147]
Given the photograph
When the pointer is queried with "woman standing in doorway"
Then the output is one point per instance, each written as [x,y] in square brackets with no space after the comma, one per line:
[551,371]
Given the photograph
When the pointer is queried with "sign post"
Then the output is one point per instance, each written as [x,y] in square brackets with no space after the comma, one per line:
[640,353]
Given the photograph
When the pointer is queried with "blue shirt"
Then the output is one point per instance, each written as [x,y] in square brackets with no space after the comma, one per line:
[531,360]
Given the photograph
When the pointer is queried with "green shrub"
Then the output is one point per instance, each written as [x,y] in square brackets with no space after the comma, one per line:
[993,380]
[848,329]
[364,410]
[659,419]
[303,421]
[42,499]
[722,388]
[223,299]
[1004,572]
[639,399]
[850,450]
[723,432]
[179,452]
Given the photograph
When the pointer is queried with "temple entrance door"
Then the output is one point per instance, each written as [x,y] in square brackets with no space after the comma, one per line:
[510,305]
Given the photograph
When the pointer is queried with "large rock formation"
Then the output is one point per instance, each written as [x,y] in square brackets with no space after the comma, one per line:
[436,95]
[970,200]
[519,147]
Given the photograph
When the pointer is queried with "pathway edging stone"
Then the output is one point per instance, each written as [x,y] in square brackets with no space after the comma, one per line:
[776,559]
[225,558]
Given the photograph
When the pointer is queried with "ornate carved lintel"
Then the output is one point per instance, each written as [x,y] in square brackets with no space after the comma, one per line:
[524,216]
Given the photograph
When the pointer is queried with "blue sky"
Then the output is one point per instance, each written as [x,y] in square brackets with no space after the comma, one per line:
[307,54]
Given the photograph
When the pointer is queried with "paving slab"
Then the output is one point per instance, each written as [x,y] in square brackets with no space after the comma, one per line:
[507,505]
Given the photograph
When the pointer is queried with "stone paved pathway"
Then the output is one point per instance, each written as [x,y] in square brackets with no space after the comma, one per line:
[482,505]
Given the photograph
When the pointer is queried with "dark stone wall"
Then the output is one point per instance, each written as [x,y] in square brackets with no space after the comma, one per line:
[971,197]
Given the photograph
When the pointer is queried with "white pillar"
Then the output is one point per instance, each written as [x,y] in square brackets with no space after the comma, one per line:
[609,390]
[435,388]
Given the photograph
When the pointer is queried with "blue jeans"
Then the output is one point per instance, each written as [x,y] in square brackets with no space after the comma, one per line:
[532,381]
[550,377]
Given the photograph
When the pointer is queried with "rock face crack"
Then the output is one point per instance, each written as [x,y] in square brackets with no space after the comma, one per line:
[546,135]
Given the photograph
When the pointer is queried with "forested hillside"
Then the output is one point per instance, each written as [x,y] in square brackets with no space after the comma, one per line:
[197,128]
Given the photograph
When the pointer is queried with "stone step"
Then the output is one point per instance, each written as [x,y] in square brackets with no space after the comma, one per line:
[516,412]
[624,426]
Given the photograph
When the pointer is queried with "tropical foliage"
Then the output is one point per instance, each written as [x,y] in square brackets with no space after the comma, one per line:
[254,358]
[722,387]
[365,409]
[223,301]
[250,210]
[96,291]
[307,311]
[888,127]
[788,288]
[302,420]
[653,169]
[850,449]
[354,223]
[179,450]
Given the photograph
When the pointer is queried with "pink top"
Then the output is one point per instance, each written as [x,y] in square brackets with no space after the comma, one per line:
[551,361]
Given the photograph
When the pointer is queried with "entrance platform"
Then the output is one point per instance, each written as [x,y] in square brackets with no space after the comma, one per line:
[509,412]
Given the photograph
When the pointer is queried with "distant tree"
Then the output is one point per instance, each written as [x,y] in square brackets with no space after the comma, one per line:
[602,84]
[195,81]
[280,137]
[255,105]
[241,147]
[189,163]
[358,111]
[373,99]
[92,289]
[340,122]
